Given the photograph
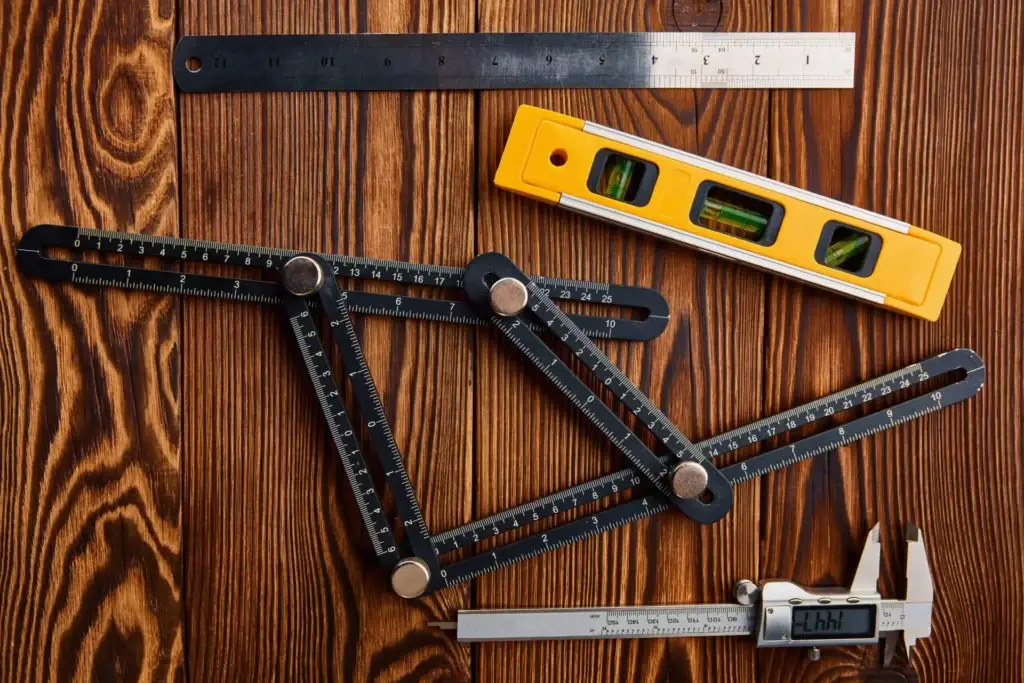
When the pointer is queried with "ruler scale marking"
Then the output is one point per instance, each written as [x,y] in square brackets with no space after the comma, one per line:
[810,446]
[176,250]
[349,62]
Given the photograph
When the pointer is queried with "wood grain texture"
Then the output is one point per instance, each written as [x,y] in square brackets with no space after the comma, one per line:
[280,577]
[931,135]
[170,507]
[704,372]
[90,540]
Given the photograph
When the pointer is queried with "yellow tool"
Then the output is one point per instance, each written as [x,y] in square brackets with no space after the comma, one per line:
[722,210]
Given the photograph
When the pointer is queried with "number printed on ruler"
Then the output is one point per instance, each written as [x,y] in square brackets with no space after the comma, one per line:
[518,61]
[751,59]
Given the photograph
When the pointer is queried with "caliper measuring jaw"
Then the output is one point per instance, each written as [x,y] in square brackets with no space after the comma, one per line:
[917,622]
[794,616]
[775,613]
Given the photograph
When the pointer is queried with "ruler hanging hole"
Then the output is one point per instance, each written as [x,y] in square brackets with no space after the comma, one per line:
[706,497]
[559,157]
[193,64]
[490,279]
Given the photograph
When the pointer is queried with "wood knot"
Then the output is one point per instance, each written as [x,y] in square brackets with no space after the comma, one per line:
[692,15]
[125,101]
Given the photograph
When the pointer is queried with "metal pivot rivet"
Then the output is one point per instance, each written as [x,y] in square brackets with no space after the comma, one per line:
[509,297]
[410,577]
[814,654]
[302,276]
[689,480]
[746,592]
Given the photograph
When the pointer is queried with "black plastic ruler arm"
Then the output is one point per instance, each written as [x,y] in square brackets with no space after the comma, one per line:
[332,299]
[489,268]
[35,260]
[963,373]
[343,434]
[325,289]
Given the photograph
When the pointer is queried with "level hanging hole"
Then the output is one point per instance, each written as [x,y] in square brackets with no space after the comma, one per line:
[194,64]
[559,157]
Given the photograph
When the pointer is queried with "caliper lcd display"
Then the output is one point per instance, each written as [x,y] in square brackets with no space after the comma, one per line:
[815,623]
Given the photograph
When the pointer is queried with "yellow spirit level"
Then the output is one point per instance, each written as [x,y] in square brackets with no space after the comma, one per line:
[722,210]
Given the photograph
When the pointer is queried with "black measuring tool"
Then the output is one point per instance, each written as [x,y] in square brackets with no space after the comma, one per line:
[480,61]
[33,260]
[514,303]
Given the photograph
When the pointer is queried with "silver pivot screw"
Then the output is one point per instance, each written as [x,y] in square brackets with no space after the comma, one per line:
[410,577]
[689,479]
[302,276]
[509,297]
[746,592]
[814,654]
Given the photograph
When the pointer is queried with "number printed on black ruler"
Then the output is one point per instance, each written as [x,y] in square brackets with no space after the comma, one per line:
[33,259]
[514,60]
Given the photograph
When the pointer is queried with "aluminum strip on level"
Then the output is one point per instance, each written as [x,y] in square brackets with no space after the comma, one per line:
[487,61]
[608,622]
[738,174]
[711,246]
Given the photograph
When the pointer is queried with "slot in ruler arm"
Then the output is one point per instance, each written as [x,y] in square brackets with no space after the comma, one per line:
[36,259]
[693,474]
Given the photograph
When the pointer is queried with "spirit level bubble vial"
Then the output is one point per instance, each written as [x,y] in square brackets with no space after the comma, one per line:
[652,188]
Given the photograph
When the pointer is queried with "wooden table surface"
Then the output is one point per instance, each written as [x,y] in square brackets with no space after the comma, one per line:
[169,506]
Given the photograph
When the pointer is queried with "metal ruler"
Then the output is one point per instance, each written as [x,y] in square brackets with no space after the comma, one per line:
[481,61]
[776,613]
[685,478]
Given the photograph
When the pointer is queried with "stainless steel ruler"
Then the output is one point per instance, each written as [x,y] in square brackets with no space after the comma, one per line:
[607,622]
[471,61]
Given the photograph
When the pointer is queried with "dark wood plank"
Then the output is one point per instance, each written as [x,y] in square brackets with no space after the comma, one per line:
[705,371]
[931,135]
[89,440]
[281,579]
[814,521]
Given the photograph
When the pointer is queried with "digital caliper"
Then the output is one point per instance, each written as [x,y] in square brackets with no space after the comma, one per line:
[777,613]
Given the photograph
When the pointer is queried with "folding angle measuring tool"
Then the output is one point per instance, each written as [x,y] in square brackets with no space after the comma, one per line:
[518,306]
[463,61]
[776,613]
